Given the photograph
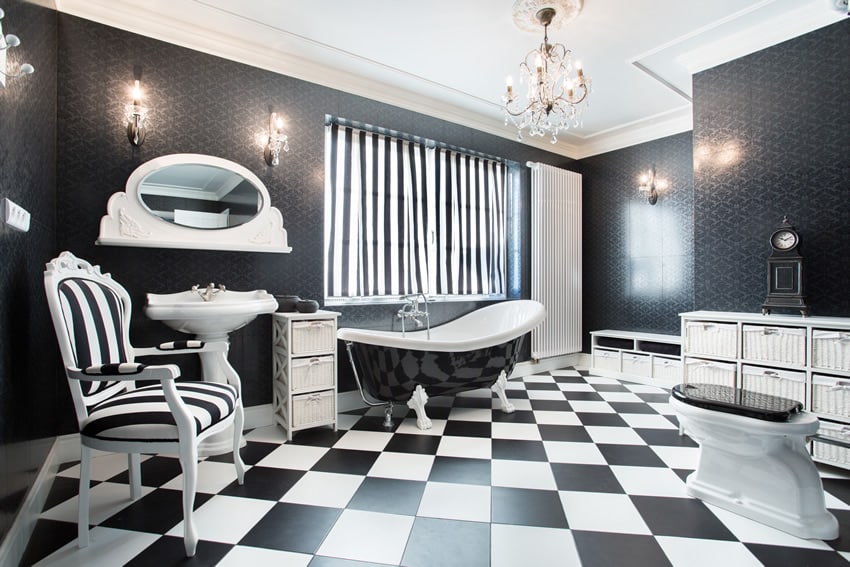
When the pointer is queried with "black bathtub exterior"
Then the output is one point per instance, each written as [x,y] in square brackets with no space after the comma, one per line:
[391,374]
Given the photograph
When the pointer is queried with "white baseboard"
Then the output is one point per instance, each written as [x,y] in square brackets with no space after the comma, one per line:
[15,543]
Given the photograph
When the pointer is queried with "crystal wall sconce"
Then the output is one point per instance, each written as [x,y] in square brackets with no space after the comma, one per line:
[276,140]
[136,115]
[650,185]
[7,42]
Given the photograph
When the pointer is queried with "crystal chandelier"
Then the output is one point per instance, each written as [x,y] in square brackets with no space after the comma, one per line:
[556,88]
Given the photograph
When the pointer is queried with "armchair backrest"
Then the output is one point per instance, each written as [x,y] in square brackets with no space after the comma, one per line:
[91,317]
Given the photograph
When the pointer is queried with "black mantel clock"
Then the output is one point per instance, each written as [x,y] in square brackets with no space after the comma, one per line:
[785,272]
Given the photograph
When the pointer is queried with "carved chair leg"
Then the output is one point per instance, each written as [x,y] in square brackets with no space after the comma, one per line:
[238,423]
[189,464]
[83,499]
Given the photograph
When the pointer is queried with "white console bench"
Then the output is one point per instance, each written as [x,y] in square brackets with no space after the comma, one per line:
[647,358]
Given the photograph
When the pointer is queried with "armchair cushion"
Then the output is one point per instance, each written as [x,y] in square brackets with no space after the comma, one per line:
[144,415]
[114,369]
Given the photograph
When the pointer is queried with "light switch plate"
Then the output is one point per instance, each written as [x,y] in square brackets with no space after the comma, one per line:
[16,216]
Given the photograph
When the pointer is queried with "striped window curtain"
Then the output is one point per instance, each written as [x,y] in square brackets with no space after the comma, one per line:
[376,214]
[471,240]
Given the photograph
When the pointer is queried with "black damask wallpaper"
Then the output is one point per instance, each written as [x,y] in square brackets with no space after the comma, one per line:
[638,258]
[771,138]
[205,104]
[28,352]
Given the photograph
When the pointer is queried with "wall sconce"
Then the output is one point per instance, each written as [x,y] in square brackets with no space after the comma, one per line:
[650,184]
[136,115]
[7,42]
[276,140]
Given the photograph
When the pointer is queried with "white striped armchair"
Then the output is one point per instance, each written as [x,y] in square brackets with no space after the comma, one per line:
[91,315]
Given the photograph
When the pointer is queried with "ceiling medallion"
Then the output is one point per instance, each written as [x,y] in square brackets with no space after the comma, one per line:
[525,13]
[556,89]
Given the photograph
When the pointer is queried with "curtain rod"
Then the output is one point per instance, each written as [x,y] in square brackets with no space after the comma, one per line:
[427,142]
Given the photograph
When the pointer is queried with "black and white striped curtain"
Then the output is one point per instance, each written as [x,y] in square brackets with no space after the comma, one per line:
[402,218]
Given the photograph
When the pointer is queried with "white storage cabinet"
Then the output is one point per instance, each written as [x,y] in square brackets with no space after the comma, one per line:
[802,358]
[649,358]
[304,366]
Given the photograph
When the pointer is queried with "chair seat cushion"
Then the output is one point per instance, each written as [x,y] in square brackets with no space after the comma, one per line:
[143,414]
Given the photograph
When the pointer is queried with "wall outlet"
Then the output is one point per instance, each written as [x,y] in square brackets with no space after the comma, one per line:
[16,216]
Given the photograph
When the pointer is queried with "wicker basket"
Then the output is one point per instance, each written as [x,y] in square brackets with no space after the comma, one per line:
[637,364]
[313,337]
[782,383]
[831,350]
[668,369]
[712,339]
[775,344]
[709,372]
[313,409]
[311,373]
[831,395]
[606,359]
[827,452]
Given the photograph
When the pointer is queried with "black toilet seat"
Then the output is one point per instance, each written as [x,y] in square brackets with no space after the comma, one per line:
[735,401]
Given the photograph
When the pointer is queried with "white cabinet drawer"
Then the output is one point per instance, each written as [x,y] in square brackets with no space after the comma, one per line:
[698,371]
[711,339]
[313,409]
[637,364]
[313,337]
[831,350]
[312,372]
[831,395]
[783,383]
[782,345]
[604,359]
[669,369]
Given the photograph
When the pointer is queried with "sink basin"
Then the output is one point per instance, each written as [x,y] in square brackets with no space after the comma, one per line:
[187,312]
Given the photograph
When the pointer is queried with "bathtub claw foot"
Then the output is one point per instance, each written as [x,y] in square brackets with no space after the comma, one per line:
[417,403]
[499,387]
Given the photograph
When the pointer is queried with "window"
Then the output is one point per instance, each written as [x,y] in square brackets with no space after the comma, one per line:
[401,217]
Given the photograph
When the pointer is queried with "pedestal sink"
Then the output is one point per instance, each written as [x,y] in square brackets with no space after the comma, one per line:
[210,315]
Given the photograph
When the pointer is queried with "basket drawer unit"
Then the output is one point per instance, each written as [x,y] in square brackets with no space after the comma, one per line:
[313,337]
[782,383]
[313,409]
[606,359]
[831,395]
[669,369]
[699,371]
[831,350]
[312,373]
[783,345]
[637,364]
[832,453]
[711,339]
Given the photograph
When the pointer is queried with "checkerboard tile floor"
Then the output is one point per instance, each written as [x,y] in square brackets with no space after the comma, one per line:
[588,471]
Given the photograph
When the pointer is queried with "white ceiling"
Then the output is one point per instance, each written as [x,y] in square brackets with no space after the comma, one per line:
[450,58]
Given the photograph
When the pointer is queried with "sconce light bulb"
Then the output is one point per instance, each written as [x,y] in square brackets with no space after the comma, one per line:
[27,69]
[137,94]
[278,124]
[12,40]
[644,179]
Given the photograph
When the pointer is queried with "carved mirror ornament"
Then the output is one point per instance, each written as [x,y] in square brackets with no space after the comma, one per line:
[193,201]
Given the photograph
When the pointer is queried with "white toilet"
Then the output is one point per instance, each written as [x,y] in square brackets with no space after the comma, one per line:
[758,468]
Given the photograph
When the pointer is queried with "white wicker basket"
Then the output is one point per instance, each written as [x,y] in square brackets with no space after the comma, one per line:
[831,395]
[313,409]
[782,383]
[827,451]
[606,359]
[313,372]
[712,339]
[637,364]
[709,372]
[785,345]
[313,337]
[831,350]
[668,369]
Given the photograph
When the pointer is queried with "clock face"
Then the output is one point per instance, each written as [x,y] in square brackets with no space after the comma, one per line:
[783,239]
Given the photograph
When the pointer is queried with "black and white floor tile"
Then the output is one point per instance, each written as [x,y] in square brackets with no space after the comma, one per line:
[588,471]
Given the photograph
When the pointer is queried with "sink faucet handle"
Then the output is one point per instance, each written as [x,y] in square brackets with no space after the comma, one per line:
[221,287]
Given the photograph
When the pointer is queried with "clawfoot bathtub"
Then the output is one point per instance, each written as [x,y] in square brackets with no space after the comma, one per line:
[476,350]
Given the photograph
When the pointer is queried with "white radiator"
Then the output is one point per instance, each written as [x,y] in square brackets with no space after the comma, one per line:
[556,259]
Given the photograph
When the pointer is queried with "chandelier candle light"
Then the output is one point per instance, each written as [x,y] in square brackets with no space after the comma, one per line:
[557,88]
[276,141]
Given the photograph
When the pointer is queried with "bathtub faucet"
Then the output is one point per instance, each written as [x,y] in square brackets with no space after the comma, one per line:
[411,310]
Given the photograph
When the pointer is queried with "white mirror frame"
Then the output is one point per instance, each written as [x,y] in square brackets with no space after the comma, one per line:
[129,223]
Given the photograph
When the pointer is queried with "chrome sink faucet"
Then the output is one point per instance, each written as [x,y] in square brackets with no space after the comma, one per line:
[208,293]
[411,310]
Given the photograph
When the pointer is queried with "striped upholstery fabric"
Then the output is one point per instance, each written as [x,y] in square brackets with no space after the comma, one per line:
[143,414]
[94,321]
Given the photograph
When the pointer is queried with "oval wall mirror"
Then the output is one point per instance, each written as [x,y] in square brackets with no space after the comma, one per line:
[193,201]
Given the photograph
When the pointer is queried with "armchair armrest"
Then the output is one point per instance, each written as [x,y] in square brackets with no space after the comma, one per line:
[129,371]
